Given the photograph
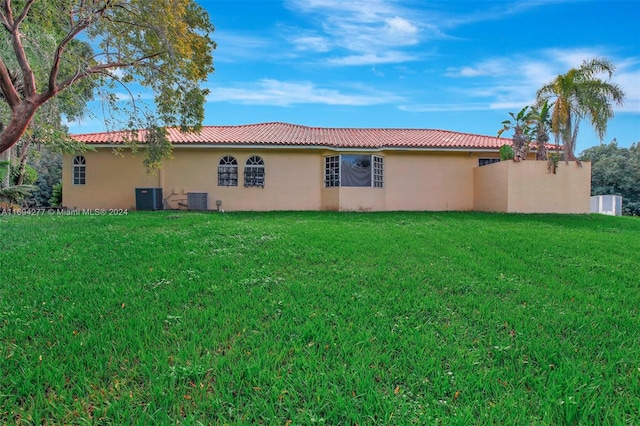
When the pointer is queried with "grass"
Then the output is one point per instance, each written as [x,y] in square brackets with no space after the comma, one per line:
[327,318]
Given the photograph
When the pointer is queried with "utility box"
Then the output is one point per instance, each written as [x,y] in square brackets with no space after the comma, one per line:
[148,198]
[197,201]
[607,204]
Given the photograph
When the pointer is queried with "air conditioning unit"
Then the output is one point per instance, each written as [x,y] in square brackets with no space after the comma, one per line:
[148,198]
[197,201]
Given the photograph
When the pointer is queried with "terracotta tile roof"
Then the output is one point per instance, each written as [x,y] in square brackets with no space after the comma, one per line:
[295,135]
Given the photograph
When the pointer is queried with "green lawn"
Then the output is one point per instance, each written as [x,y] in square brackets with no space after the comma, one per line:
[328,318]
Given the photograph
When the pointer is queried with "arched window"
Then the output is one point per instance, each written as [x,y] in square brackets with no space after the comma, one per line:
[228,171]
[254,172]
[79,170]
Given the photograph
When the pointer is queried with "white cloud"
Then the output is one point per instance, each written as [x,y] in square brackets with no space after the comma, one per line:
[494,67]
[283,93]
[368,10]
[362,29]
[566,59]
[235,48]
[444,107]
[627,74]
[372,59]
[512,81]
[465,72]
[517,66]
[538,72]
[401,28]
[312,43]
[365,28]
[629,80]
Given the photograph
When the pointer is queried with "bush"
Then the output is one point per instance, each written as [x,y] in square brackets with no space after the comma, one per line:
[506,152]
[56,195]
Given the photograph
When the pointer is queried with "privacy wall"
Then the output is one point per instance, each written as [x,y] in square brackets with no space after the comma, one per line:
[530,187]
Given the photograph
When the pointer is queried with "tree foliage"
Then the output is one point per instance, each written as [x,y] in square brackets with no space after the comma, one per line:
[530,124]
[11,192]
[55,200]
[579,94]
[616,171]
[540,125]
[520,123]
[48,163]
[65,49]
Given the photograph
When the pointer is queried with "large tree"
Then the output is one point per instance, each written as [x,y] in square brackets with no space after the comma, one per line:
[581,93]
[616,170]
[164,45]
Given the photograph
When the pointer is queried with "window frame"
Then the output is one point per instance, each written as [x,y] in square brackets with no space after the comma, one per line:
[228,171]
[79,170]
[254,173]
[377,171]
[485,161]
[333,171]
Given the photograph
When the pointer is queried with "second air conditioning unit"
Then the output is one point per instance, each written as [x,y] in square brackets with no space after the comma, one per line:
[197,201]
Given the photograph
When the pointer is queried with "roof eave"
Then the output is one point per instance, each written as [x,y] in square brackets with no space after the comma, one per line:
[311,147]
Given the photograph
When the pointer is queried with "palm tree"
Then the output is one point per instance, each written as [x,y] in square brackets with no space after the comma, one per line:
[521,133]
[539,118]
[578,94]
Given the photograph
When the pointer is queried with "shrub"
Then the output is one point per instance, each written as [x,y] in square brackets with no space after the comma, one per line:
[56,195]
[506,152]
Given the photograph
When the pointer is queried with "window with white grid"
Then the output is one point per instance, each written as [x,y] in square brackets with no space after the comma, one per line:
[228,171]
[254,172]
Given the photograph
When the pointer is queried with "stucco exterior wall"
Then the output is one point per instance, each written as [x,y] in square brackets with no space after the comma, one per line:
[429,181]
[362,199]
[331,199]
[490,188]
[528,187]
[110,181]
[293,180]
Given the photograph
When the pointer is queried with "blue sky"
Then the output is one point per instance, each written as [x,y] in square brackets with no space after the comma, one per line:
[452,65]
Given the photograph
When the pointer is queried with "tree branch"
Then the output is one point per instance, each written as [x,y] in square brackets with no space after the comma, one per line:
[55,67]
[16,42]
[111,65]
[24,13]
[82,73]
[5,16]
[77,29]
[9,92]
[8,11]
